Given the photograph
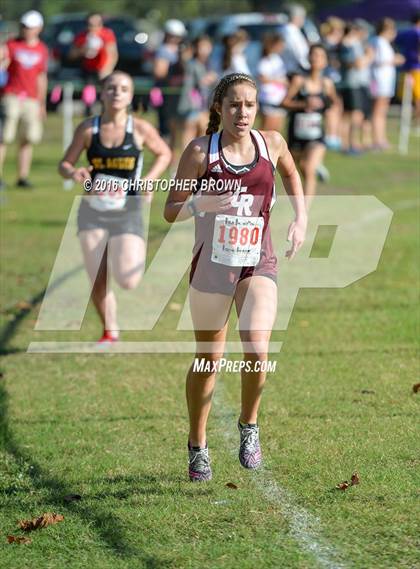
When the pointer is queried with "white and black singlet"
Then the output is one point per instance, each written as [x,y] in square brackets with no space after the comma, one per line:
[114,202]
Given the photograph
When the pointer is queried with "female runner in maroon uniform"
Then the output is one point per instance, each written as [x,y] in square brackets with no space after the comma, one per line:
[233,255]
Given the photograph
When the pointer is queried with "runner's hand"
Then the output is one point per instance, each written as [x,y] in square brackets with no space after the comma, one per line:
[296,234]
[215,203]
[314,103]
[80,175]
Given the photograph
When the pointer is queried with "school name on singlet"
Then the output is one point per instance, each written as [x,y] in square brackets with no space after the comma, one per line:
[115,163]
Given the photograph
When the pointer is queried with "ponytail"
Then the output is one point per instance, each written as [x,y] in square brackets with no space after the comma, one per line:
[214,121]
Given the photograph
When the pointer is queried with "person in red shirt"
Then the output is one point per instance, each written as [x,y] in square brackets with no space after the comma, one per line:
[24,95]
[96,47]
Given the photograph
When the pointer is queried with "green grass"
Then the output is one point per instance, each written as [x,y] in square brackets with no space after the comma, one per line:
[113,427]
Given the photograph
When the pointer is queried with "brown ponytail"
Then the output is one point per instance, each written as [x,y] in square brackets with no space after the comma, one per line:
[220,93]
[214,121]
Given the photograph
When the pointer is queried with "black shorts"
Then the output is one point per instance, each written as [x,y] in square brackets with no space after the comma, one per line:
[115,222]
[299,145]
[367,102]
[353,98]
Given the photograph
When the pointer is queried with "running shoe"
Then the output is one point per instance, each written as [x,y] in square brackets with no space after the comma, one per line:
[352,151]
[249,448]
[333,142]
[323,173]
[199,469]
[108,339]
[25,184]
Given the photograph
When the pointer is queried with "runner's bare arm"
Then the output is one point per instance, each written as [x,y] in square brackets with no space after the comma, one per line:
[331,91]
[286,167]
[289,102]
[112,59]
[191,167]
[148,136]
[160,68]
[81,140]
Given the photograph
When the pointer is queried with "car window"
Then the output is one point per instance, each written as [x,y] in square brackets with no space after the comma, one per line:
[67,31]
[257,31]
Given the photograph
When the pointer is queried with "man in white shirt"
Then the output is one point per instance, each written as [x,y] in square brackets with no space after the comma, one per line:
[295,54]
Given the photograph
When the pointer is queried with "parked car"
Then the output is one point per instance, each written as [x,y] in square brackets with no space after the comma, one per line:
[134,55]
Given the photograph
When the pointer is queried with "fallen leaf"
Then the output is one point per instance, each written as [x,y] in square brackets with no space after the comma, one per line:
[23,305]
[231,485]
[72,497]
[175,306]
[40,522]
[355,479]
[304,324]
[343,485]
[416,387]
[368,391]
[18,539]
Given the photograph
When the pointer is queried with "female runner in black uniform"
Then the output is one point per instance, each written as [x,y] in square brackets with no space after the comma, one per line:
[308,98]
[233,257]
[109,219]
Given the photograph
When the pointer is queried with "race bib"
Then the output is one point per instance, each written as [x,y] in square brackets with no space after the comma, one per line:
[237,240]
[308,126]
[108,193]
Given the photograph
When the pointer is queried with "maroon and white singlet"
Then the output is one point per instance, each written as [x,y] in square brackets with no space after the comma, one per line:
[236,244]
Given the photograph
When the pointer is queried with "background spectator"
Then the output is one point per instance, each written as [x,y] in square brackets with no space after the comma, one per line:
[273,79]
[332,32]
[24,94]
[193,103]
[169,73]
[353,61]
[383,79]
[363,30]
[233,56]
[295,54]
[408,42]
[96,47]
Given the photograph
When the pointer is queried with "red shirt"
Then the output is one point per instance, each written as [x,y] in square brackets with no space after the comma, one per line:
[97,56]
[27,62]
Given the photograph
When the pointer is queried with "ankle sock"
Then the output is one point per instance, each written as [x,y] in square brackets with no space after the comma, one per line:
[243,425]
[196,447]
[112,334]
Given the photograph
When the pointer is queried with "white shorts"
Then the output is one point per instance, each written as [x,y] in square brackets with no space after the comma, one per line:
[272,110]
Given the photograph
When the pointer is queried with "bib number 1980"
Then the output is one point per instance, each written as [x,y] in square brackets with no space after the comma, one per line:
[237,240]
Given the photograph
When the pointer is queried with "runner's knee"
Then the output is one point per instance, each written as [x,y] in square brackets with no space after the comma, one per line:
[129,282]
[255,348]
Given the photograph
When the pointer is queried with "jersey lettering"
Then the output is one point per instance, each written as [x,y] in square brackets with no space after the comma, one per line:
[243,203]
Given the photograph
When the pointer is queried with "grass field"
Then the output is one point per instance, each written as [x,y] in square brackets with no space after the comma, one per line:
[112,428]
